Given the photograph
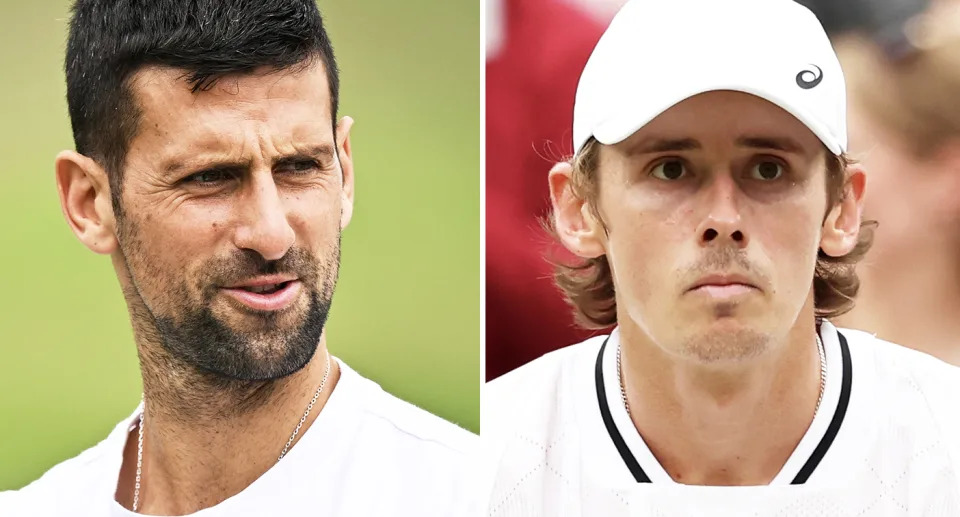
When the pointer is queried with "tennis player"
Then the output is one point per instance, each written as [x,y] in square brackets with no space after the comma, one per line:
[212,169]
[718,220]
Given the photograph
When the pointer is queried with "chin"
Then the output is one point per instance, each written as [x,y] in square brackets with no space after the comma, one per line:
[274,365]
[724,340]
[255,350]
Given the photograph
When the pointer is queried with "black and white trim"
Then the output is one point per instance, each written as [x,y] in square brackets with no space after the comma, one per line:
[839,413]
[631,462]
[814,458]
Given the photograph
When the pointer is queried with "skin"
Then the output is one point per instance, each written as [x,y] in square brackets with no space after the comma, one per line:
[913,186]
[722,388]
[913,197]
[186,233]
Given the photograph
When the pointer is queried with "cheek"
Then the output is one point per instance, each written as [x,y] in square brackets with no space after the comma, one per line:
[891,194]
[643,247]
[788,237]
[314,217]
[892,197]
[165,251]
[190,235]
[885,172]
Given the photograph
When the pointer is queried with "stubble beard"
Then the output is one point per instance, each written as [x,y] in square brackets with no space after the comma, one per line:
[197,364]
[725,346]
[739,343]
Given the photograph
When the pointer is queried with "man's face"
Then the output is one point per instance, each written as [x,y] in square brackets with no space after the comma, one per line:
[233,203]
[714,212]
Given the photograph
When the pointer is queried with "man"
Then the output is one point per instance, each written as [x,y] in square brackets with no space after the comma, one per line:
[211,167]
[718,221]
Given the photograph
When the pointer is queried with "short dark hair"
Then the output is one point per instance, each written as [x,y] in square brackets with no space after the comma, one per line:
[110,40]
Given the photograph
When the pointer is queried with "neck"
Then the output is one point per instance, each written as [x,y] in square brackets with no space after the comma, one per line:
[206,439]
[911,305]
[729,424]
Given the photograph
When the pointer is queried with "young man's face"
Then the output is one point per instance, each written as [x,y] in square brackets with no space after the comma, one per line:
[713,214]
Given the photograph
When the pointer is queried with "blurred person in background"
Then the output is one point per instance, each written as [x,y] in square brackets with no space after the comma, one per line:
[212,168]
[902,63]
[535,50]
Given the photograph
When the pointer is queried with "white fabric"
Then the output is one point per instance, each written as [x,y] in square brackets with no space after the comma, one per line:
[367,453]
[657,53]
[897,451]
[655,471]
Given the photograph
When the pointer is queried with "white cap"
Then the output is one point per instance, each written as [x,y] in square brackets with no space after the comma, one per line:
[656,53]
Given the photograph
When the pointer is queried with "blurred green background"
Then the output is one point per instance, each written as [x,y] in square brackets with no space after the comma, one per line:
[407,309]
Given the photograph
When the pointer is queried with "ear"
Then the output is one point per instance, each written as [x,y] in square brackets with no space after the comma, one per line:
[841,229]
[346,166]
[85,201]
[576,226]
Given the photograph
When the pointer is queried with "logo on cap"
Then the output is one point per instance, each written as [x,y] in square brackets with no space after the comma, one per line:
[807,79]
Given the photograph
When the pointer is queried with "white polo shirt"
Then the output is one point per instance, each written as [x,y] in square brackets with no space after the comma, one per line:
[886,441]
[367,453]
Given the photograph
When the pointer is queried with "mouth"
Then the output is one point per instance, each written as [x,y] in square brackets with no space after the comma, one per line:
[271,293]
[723,286]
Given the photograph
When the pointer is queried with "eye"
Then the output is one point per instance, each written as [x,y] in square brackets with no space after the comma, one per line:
[670,170]
[300,166]
[208,177]
[766,170]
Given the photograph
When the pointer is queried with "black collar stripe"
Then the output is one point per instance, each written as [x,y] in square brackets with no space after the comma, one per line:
[821,450]
[621,445]
[838,415]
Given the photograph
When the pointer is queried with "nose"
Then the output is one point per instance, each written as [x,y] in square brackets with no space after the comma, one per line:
[264,226]
[722,223]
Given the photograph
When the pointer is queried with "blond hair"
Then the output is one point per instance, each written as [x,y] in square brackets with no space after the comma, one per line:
[915,96]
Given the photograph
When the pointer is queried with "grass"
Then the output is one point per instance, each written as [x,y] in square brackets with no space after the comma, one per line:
[407,309]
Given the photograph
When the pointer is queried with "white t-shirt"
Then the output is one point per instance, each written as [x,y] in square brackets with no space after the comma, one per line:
[367,453]
[886,441]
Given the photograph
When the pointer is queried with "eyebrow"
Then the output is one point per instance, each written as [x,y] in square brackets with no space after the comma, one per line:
[784,144]
[664,145]
[322,152]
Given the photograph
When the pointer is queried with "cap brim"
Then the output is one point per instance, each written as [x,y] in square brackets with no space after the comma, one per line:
[630,119]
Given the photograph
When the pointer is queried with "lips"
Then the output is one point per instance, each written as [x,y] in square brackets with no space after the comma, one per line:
[265,293]
[723,280]
[723,291]
[723,286]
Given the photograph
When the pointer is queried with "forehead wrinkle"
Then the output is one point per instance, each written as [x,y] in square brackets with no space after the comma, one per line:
[232,118]
[256,94]
[161,92]
[205,149]
[301,140]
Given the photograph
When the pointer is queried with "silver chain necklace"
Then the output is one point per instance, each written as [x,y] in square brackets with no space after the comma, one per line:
[823,377]
[323,382]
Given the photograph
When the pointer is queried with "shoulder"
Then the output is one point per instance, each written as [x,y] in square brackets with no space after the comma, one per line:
[73,485]
[901,368]
[529,415]
[400,421]
[425,460]
[918,391]
[538,381]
